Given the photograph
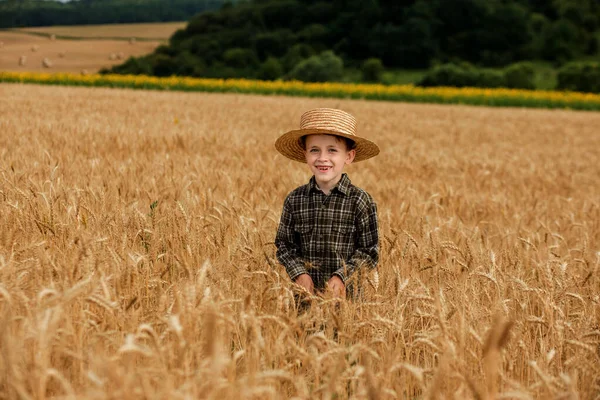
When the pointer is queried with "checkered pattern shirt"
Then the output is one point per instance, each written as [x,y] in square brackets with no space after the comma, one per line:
[325,235]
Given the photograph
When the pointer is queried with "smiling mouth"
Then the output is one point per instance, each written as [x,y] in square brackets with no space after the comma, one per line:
[323,168]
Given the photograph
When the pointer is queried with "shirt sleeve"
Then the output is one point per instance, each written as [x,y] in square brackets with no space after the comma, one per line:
[288,249]
[367,248]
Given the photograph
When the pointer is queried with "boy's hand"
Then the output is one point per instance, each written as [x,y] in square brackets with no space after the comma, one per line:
[336,285]
[306,282]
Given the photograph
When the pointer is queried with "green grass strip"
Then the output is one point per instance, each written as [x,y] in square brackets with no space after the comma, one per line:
[404,93]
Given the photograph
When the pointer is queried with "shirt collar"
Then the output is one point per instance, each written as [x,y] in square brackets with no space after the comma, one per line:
[342,186]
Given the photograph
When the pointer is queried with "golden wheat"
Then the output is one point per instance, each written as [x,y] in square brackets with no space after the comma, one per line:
[137,258]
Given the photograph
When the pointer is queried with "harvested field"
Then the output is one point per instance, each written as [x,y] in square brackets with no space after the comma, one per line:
[155,31]
[137,258]
[66,55]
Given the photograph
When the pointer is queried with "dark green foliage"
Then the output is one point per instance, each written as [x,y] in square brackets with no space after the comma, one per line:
[132,66]
[450,75]
[520,76]
[163,65]
[322,68]
[560,41]
[593,45]
[580,76]
[313,33]
[187,64]
[517,76]
[166,50]
[205,49]
[278,14]
[270,70]
[411,45]
[490,79]
[273,44]
[219,70]
[321,12]
[371,70]
[240,58]
[538,23]
[296,54]
[509,40]
[403,34]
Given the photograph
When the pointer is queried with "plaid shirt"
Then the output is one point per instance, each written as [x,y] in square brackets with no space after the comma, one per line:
[325,235]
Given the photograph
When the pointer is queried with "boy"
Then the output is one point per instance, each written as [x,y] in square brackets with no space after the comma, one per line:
[328,227]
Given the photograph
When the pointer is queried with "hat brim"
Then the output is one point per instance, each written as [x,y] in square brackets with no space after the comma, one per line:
[290,146]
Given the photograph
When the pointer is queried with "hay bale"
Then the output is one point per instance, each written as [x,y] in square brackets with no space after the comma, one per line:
[35,48]
[132,40]
[53,37]
[120,56]
[47,63]
[84,72]
[61,54]
[1,45]
[22,60]
[112,57]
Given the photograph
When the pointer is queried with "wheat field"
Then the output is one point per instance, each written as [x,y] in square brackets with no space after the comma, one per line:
[137,257]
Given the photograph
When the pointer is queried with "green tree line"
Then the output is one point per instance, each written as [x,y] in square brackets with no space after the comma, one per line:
[316,39]
[24,13]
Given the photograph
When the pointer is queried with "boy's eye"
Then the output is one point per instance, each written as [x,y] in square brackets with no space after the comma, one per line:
[314,150]
[333,150]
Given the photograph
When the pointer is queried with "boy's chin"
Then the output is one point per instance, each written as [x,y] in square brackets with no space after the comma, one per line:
[324,174]
[320,177]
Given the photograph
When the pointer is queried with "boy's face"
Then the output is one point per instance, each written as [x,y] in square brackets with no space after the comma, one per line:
[326,157]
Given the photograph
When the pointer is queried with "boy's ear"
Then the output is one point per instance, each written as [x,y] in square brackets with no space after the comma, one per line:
[350,156]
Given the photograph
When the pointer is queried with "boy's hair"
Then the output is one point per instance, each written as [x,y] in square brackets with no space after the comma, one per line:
[350,144]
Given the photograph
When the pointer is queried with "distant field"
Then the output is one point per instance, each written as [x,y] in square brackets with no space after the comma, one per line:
[75,55]
[155,31]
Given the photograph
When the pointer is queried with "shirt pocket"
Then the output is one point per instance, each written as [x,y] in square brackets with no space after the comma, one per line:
[303,233]
[342,239]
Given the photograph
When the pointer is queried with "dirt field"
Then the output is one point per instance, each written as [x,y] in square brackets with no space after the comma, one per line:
[137,257]
[158,31]
[77,55]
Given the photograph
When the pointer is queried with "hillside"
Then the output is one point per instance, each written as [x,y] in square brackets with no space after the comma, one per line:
[79,48]
[271,39]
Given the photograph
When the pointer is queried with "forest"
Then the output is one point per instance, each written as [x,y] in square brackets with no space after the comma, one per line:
[314,40]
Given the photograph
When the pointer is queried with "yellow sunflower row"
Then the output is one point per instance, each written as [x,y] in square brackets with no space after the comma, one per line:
[409,93]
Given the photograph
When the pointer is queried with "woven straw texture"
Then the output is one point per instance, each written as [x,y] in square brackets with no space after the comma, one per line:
[324,121]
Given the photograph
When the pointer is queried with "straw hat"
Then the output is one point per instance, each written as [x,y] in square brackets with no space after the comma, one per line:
[324,121]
